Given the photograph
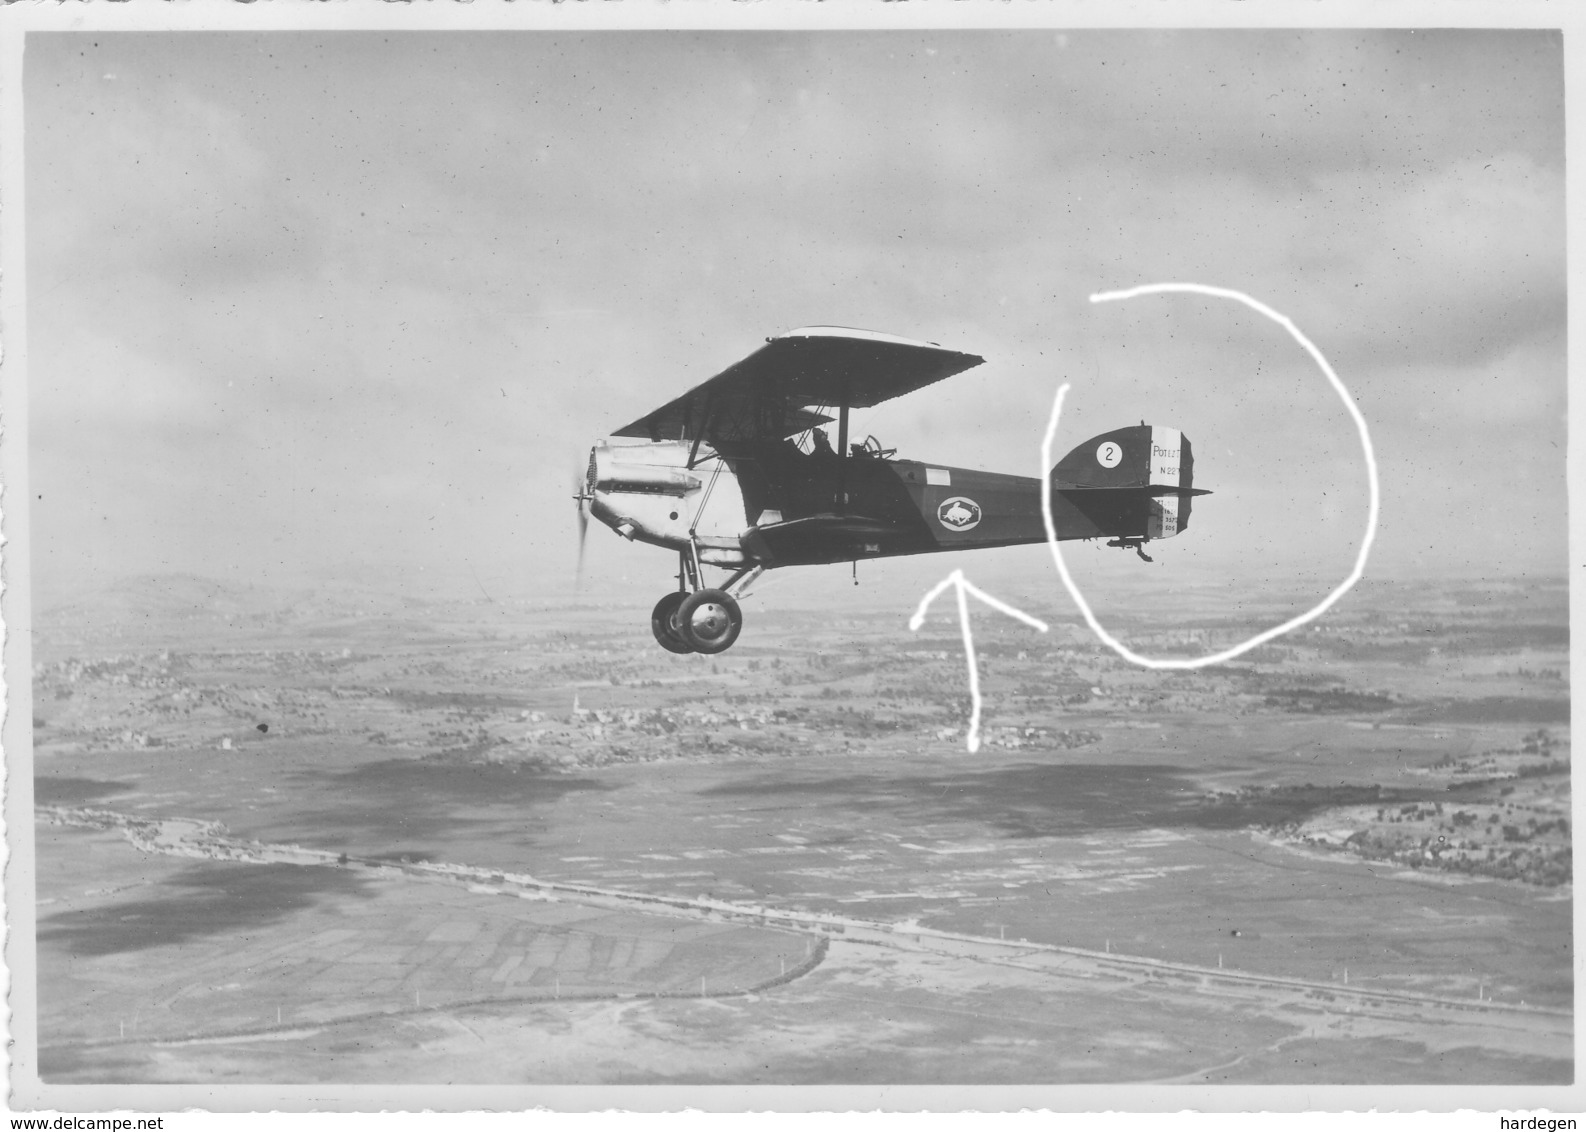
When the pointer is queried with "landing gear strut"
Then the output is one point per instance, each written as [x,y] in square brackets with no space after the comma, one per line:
[700,618]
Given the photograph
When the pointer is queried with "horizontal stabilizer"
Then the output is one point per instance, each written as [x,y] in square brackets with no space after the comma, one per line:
[1184,492]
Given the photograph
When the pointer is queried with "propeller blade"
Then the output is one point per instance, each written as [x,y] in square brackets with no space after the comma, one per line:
[581,500]
[583,533]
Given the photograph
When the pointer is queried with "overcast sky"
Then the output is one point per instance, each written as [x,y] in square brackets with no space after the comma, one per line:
[318,305]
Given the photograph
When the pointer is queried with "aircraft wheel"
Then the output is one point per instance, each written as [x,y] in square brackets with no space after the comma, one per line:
[710,620]
[664,627]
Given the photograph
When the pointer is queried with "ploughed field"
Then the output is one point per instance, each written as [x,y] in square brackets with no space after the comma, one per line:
[1380,802]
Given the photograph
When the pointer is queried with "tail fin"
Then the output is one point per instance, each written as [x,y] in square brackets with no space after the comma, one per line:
[1144,474]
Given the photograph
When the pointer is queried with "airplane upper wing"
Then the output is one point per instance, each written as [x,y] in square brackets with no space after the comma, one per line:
[766,393]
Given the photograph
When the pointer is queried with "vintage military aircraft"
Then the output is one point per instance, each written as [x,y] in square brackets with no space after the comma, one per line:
[738,474]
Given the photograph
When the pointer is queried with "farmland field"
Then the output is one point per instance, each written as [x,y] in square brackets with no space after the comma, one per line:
[494,843]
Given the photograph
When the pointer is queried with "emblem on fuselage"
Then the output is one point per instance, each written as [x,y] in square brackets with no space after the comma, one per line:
[958,513]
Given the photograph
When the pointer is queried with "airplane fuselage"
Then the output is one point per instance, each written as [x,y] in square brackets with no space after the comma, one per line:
[738,473]
[771,505]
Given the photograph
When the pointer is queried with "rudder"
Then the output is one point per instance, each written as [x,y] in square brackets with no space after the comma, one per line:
[1143,471]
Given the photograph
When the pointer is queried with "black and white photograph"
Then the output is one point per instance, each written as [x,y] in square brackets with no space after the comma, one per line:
[892,556]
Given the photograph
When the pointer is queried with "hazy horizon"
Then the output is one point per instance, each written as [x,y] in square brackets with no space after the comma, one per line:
[1122,596]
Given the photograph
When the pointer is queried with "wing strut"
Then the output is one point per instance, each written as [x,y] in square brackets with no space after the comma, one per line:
[842,451]
[707,415]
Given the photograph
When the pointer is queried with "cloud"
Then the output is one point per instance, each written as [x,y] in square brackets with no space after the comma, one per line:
[1456,266]
[377,295]
[172,184]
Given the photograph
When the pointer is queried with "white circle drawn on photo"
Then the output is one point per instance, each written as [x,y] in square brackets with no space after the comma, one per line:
[1262,638]
[1108,455]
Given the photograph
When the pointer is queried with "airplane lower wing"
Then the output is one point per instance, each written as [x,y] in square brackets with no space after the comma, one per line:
[819,538]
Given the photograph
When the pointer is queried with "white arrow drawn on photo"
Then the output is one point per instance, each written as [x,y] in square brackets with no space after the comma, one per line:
[965,587]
